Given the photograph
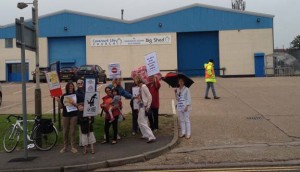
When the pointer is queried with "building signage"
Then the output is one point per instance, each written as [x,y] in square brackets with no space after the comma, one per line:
[134,40]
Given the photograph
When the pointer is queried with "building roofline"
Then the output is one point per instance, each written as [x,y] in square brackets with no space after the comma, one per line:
[149,16]
[204,6]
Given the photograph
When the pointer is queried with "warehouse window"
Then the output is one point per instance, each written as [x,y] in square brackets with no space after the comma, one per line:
[9,43]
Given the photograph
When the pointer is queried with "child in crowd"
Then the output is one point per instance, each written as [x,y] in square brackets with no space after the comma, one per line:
[115,101]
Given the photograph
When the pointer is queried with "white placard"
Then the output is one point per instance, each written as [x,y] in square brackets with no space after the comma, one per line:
[67,102]
[52,80]
[114,70]
[180,104]
[91,104]
[129,41]
[90,85]
[135,93]
[152,64]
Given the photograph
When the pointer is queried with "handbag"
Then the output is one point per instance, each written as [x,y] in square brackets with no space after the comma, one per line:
[149,112]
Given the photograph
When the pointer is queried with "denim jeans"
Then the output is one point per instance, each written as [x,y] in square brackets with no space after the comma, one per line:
[210,85]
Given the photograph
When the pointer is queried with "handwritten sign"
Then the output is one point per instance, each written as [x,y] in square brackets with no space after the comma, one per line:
[152,64]
[114,70]
[91,104]
[67,102]
[53,84]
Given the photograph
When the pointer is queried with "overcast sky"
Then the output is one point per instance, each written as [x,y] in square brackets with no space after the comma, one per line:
[286,21]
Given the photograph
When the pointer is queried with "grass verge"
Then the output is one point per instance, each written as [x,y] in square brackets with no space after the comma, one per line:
[165,124]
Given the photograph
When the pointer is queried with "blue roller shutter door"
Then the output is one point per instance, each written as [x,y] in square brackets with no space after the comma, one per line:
[195,49]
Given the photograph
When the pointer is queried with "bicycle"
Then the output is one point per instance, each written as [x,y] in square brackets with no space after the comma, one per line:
[43,134]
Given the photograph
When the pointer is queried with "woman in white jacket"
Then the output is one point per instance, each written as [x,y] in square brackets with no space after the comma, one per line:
[144,99]
[184,102]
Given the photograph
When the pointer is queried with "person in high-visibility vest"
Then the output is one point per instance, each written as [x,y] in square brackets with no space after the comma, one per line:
[210,78]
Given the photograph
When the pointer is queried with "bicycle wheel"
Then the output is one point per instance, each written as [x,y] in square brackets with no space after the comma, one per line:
[11,139]
[43,141]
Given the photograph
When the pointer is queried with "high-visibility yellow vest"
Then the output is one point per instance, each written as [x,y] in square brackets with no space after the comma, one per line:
[209,72]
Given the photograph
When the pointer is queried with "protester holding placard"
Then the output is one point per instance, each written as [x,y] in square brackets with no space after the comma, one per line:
[145,100]
[184,102]
[68,102]
[153,87]
[86,134]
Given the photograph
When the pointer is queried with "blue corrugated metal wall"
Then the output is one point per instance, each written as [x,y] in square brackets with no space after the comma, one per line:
[195,49]
[193,19]
[69,50]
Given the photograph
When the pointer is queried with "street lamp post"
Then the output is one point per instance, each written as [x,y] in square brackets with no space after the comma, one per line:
[37,93]
[38,96]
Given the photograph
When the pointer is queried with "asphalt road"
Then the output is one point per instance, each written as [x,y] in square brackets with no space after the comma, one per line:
[256,121]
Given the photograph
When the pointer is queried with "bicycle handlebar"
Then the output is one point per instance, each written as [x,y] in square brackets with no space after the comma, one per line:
[15,116]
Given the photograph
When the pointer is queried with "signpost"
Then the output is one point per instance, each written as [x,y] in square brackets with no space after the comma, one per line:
[24,42]
[29,36]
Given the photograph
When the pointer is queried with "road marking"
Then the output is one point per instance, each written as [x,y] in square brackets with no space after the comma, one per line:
[3,107]
[100,86]
[30,87]
[250,169]
[21,90]
[51,110]
[173,106]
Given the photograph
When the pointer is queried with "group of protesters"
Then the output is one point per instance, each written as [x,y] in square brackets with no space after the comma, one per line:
[144,106]
[148,106]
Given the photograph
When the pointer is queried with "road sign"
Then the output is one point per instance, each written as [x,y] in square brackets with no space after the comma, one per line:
[29,36]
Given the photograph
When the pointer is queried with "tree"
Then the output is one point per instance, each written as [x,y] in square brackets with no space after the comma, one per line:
[295,44]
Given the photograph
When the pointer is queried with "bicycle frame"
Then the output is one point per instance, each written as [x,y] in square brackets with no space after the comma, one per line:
[18,126]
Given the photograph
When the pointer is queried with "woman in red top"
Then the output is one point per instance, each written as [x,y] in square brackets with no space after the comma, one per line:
[153,87]
[115,112]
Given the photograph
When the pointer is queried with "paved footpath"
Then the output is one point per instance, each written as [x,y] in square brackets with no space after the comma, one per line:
[256,122]
[47,160]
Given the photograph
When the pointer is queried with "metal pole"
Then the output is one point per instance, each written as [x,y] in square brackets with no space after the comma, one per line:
[38,94]
[24,105]
[54,110]
[122,14]
[59,118]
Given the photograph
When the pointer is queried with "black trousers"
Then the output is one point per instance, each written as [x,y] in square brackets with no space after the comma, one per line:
[135,114]
[153,119]
[115,128]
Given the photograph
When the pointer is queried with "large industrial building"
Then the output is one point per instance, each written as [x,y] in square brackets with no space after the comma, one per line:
[184,39]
